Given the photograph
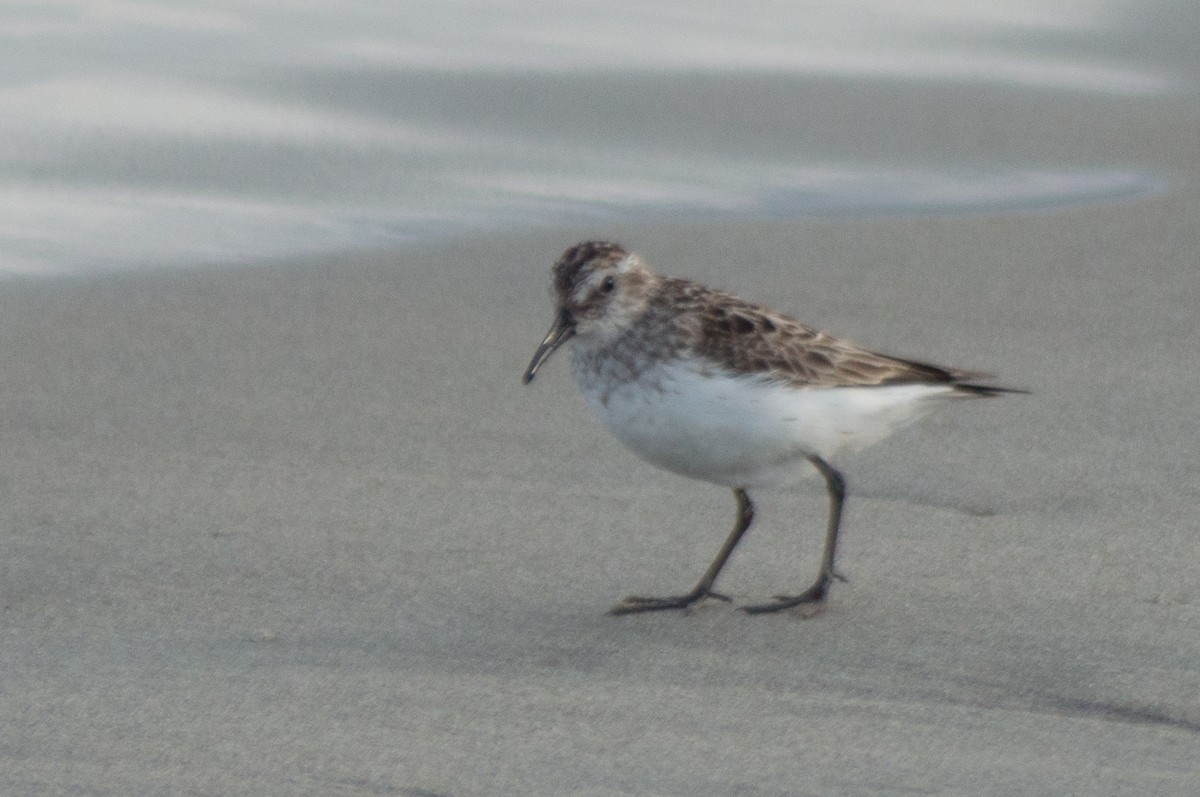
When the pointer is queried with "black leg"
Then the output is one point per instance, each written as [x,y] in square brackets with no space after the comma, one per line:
[835,483]
[703,589]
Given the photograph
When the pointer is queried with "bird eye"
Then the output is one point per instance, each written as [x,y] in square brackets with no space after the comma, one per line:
[609,285]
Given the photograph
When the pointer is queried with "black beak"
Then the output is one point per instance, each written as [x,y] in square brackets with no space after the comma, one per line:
[561,331]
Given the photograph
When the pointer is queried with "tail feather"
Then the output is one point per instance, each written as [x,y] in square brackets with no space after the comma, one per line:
[961,380]
[986,391]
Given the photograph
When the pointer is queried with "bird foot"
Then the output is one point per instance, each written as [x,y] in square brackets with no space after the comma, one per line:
[633,603]
[812,597]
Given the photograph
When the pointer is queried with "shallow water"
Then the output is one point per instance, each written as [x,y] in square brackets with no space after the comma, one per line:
[146,134]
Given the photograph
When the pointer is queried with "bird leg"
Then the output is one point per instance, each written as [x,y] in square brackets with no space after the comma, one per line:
[702,590]
[835,483]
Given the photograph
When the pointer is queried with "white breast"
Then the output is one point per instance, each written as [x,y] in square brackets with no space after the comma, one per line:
[739,431]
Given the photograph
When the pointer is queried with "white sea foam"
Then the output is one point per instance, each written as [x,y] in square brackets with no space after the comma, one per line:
[144,133]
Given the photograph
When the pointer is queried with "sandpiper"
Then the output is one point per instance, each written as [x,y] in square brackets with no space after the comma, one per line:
[710,386]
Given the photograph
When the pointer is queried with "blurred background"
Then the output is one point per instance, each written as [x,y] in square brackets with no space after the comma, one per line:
[136,133]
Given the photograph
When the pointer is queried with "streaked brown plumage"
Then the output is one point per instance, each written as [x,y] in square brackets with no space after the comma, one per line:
[711,386]
[749,338]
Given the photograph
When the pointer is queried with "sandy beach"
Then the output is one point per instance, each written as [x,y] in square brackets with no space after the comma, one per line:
[297,527]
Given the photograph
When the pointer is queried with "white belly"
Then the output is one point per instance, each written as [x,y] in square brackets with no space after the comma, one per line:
[743,431]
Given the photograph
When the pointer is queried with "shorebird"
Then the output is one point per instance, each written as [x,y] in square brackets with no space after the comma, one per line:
[717,388]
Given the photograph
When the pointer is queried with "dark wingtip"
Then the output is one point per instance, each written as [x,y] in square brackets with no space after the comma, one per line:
[987,391]
[960,379]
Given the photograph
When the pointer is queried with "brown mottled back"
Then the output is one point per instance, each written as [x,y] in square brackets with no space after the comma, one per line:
[751,339]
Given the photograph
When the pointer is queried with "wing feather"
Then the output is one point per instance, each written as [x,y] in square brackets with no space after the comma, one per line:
[748,338]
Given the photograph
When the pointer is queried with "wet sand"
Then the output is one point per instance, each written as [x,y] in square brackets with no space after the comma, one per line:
[299,529]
